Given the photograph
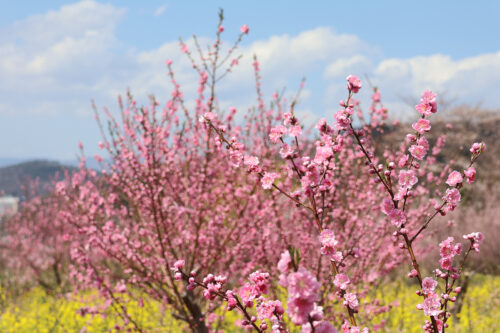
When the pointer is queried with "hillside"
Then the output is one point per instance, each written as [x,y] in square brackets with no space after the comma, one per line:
[14,178]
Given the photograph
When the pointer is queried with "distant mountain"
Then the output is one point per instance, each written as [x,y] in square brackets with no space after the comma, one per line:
[5,161]
[14,178]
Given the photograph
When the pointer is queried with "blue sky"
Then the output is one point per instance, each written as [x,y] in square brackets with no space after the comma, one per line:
[57,55]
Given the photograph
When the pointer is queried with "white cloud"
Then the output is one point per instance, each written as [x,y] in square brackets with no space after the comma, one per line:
[160,10]
[73,53]
[57,56]
[53,63]
[467,80]
[343,66]
[308,49]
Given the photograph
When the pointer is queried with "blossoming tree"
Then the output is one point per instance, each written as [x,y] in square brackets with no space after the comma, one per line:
[206,213]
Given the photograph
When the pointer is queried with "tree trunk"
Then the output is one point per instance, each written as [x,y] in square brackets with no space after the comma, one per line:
[197,320]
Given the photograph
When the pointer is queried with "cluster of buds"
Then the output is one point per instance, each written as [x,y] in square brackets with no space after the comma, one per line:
[213,286]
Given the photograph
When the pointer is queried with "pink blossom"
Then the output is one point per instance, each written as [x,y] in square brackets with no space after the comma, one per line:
[445,263]
[470,174]
[353,83]
[454,178]
[376,97]
[323,127]
[422,141]
[411,138]
[337,256]
[328,242]
[286,151]
[477,148]
[422,126]
[231,300]
[387,206]
[244,29]
[268,180]
[407,178]
[323,153]
[277,132]
[319,327]
[418,151]
[452,197]
[265,310]
[403,161]
[285,262]
[248,293]
[476,239]
[299,309]
[210,116]
[120,287]
[251,161]
[413,273]
[424,109]
[341,281]
[397,217]
[260,280]
[221,28]
[427,104]
[317,313]
[179,264]
[342,119]
[351,300]
[295,130]
[303,291]
[346,328]
[302,284]
[287,118]
[431,305]
[446,248]
[428,97]
[429,285]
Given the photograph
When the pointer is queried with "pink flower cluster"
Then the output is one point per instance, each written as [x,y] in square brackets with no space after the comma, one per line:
[329,245]
[346,328]
[448,251]
[267,309]
[428,285]
[277,133]
[303,291]
[431,304]
[426,107]
[268,180]
[476,239]
[397,216]
[427,104]
[214,286]
[316,323]
[452,198]
[455,178]
[343,118]
[353,83]
[341,281]
[407,179]
[477,148]
[255,288]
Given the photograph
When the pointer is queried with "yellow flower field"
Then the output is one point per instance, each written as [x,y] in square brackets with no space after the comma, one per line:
[36,311]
